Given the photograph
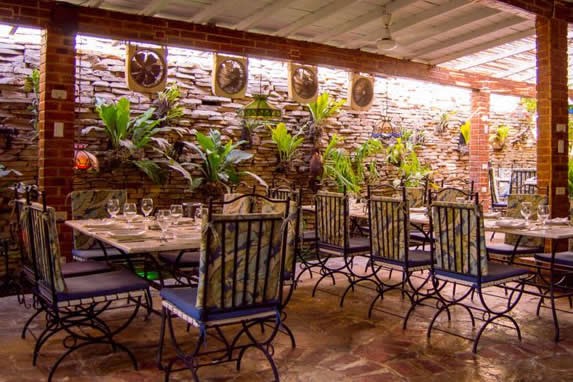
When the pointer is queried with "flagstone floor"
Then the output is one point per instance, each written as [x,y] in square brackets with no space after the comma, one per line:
[333,344]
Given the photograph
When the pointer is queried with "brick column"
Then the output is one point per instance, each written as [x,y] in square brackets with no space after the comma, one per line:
[56,117]
[552,156]
[479,149]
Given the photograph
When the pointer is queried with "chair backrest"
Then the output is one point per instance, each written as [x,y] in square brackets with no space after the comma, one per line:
[23,194]
[518,182]
[389,235]
[458,232]
[452,194]
[492,186]
[91,204]
[416,196]
[236,203]
[44,248]
[241,262]
[331,221]
[514,211]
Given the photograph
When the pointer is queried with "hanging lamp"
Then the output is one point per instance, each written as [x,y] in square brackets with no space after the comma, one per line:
[260,108]
[385,129]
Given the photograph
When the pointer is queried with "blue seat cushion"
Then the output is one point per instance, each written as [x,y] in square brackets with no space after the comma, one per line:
[101,284]
[415,259]
[187,259]
[96,254]
[496,272]
[561,258]
[508,249]
[82,268]
[185,300]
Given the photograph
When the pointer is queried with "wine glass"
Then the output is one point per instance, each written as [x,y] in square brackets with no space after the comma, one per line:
[146,207]
[526,211]
[129,211]
[198,208]
[112,207]
[163,218]
[543,212]
[176,213]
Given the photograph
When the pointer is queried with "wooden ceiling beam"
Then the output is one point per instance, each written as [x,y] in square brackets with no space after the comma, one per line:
[215,9]
[154,7]
[261,14]
[484,46]
[500,56]
[94,3]
[322,13]
[365,19]
[469,36]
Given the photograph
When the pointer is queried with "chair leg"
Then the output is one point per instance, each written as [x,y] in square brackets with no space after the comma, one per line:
[159,358]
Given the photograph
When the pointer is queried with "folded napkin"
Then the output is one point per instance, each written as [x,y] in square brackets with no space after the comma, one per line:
[557,221]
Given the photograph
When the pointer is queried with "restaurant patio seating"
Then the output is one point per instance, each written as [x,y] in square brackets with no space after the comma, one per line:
[460,257]
[334,242]
[91,204]
[496,202]
[75,306]
[239,289]
[390,249]
[514,246]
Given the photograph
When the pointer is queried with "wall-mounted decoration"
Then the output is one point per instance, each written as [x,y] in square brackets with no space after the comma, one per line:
[360,91]
[230,76]
[302,83]
[145,68]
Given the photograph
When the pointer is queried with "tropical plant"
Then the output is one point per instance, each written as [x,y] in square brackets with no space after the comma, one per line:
[465,130]
[167,106]
[402,155]
[444,121]
[287,144]
[498,138]
[129,138]
[321,109]
[219,161]
[32,85]
[349,171]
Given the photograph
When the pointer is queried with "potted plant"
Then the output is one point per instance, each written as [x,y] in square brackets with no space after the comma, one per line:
[402,155]
[4,184]
[287,144]
[499,137]
[464,139]
[219,163]
[32,85]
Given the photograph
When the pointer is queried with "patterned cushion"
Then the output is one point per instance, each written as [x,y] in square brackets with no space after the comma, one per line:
[239,206]
[274,208]
[514,211]
[457,236]
[331,218]
[219,265]
[415,196]
[91,204]
[449,194]
[388,227]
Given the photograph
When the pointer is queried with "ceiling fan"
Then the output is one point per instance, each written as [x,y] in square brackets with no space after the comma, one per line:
[386,42]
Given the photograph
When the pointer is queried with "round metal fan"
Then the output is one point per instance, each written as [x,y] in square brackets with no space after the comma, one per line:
[231,76]
[304,82]
[147,68]
[362,92]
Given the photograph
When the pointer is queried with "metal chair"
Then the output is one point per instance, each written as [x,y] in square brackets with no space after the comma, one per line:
[333,237]
[518,182]
[460,257]
[74,305]
[496,203]
[240,287]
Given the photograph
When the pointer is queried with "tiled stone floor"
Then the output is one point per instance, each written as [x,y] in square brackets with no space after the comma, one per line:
[333,344]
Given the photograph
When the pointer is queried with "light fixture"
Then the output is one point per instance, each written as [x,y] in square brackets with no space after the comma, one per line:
[84,160]
[260,108]
[386,42]
[384,129]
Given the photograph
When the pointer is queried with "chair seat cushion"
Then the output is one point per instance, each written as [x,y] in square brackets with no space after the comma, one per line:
[185,300]
[82,268]
[416,258]
[561,258]
[508,249]
[309,235]
[499,205]
[497,273]
[355,245]
[187,259]
[418,235]
[101,284]
[96,254]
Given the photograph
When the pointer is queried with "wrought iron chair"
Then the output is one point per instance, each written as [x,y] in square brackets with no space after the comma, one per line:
[460,257]
[240,286]
[91,204]
[515,246]
[518,181]
[390,249]
[333,237]
[496,202]
[74,306]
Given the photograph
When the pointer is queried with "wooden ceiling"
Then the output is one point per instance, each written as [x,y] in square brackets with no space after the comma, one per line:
[468,35]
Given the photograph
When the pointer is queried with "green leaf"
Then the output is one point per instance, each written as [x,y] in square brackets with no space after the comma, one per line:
[152,170]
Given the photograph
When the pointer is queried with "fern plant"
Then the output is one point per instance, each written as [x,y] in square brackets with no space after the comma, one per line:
[321,109]
[32,85]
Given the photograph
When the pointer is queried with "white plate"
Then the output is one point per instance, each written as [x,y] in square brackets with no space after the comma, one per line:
[510,224]
[104,224]
[557,221]
[126,233]
[122,218]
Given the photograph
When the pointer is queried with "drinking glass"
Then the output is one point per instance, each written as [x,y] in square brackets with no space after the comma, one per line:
[146,207]
[198,208]
[526,211]
[129,211]
[163,220]
[543,213]
[112,207]
[176,213]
